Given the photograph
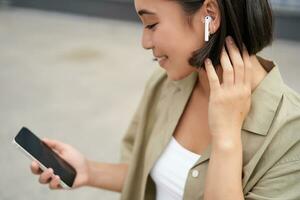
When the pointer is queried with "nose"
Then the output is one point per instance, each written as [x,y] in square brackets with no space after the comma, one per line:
[147,42]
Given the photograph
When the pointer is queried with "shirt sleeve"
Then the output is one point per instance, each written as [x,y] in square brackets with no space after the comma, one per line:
[280,182]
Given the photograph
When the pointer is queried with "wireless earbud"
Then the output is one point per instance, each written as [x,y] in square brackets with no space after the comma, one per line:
[207,21]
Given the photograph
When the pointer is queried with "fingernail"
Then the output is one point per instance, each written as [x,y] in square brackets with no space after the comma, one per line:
[207,61]
[229,39]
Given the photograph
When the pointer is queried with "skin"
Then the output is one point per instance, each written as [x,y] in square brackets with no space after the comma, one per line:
[225,89]
[89,173]
[179,34]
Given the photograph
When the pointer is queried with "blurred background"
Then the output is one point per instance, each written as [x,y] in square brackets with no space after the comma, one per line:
[74,70]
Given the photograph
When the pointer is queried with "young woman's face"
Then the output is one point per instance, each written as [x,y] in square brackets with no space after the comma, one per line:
[167,33]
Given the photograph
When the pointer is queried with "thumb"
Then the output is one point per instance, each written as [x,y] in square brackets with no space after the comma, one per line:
[55,144]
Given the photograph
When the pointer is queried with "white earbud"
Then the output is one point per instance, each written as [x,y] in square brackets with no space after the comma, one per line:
[207,21]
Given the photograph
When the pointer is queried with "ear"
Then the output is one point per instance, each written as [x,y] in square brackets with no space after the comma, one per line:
[211,8]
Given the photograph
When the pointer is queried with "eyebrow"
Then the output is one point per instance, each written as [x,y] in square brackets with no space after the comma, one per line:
[144,11]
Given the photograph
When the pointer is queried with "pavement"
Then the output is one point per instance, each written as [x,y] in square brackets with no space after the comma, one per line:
[77,79]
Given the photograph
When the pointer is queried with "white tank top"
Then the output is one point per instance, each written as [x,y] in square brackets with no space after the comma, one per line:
[171,170]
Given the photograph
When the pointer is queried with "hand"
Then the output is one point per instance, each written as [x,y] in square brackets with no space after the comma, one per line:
[69,154]
[229,102]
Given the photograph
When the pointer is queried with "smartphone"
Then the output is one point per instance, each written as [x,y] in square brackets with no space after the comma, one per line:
[39,151]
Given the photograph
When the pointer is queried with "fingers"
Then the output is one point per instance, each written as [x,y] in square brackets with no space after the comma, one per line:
[55,183]
[248,67]
[35,168]
[46,176]
[212,75]
[236,60]
[228,74]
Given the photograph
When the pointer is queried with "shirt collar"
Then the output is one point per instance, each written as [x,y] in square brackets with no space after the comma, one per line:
[264,99]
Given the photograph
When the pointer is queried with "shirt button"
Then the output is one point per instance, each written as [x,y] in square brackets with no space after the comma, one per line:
[195,173]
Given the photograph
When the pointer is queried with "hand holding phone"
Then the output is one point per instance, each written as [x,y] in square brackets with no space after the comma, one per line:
[61,158]
[72,156]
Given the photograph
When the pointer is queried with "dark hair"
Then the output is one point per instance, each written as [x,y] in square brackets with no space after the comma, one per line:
[247,21]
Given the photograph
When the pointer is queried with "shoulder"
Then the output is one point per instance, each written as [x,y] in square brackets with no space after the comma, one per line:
[153,89]
[278,154]
[292,97]
[158,76]
[289,109]
[287,138]
[289,112]
[157,86]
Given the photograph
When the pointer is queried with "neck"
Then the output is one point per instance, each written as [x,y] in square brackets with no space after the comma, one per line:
[258,74]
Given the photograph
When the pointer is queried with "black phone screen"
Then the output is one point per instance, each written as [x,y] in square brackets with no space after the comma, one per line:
[44,154]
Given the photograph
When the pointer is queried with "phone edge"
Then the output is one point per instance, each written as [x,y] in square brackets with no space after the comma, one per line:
[31,157]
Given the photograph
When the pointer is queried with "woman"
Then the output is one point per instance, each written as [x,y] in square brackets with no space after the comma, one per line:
[217,122]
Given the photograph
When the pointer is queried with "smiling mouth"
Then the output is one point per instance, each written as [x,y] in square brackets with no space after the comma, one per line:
[160,58]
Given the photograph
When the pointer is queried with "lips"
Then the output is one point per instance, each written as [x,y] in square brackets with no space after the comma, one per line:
[161,58]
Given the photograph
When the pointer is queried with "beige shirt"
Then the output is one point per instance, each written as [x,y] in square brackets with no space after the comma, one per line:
[270,137]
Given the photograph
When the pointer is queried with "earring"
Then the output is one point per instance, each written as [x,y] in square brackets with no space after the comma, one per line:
[207,21]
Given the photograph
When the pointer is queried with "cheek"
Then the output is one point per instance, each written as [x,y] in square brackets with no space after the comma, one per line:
[195,40]
[168,35]
[190,43]
[178,43]
[171,42]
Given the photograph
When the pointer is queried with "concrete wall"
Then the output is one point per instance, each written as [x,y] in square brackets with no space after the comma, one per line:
[287,18]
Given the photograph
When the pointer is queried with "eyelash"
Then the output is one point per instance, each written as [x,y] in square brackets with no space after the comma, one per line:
[151,26]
